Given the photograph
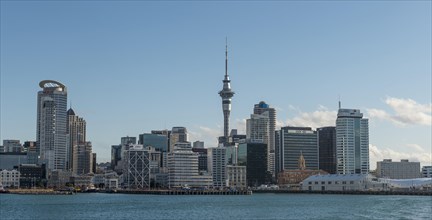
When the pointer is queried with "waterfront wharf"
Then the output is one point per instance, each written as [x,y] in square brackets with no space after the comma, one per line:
[350,192]
[186,192]
[38,192]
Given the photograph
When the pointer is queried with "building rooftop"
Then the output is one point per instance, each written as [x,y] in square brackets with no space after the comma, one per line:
[337,177]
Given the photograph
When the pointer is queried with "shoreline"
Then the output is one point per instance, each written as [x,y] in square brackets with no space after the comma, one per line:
[214,192]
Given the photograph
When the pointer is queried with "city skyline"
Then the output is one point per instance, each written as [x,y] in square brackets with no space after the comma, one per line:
[381,66]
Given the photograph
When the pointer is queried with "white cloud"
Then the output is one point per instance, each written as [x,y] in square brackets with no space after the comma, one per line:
[416,154]
[319,118]
[241,126]
[415,147]
[206,134]
[406,112]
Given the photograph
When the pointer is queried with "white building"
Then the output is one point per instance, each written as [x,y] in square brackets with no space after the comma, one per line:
[136,171]
[352,142]
[398,170]
[344,182]
[10,178]
[236,176]
[51,124]
[183,168]
[426,171]
[218,166]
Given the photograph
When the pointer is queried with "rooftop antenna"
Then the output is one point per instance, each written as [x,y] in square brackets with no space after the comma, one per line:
[339,102]
[226,57]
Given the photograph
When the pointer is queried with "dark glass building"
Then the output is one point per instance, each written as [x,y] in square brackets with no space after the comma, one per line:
[327,149]
[115,155]
[32,175]
[157,141]
[202,158]
[295,141]
[128,140]
[254,157]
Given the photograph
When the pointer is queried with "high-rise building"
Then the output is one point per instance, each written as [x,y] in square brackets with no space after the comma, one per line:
[198,144]
[257,128]
[76,134]
[136,171]
[202,158]
[12,146]
[258,131]
[82,163]
[278,153]
[183,168]
[29,146]
[158,141]
[51,124]
[327,149]
[94,163]
[259,109]
[116,155]
[32,155]
[297,141]
[218,166]
[352,142]
[178,134]
[226,94]
[128,140]
[254,157]
[398,170]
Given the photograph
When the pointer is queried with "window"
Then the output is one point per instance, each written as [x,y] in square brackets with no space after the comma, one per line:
[351,182]
[343,182]
[316,183]
[329,182]
[323,182]
[336,182]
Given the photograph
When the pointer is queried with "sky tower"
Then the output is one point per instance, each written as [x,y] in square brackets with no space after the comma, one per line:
[226,94]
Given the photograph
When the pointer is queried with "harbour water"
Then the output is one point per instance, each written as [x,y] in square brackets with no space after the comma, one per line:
[256,206]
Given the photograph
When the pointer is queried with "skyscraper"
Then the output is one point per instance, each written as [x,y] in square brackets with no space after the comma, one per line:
[136,171]
[178,134]
[226,94]
[352,142]
[297,141]
[51,124]
[76,134]
[83,157]
[259,109]
[327,149]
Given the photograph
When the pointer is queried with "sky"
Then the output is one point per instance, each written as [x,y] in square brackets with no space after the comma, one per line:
[135,66]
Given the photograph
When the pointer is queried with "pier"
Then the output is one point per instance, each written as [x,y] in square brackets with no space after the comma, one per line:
[187,192]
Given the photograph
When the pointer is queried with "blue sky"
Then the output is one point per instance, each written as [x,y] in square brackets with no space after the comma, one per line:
[134,66]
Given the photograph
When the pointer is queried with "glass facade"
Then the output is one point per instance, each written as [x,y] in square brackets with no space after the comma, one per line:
[327,149]
[296,141]
[256,168]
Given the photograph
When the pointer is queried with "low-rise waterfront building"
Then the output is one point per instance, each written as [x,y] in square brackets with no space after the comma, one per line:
[343,182]
[111,183]
[398,170]
[236,176]
[82,181]
[59,178]
[10,178]
[33,175]
[293,178]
